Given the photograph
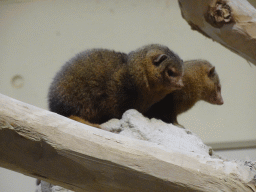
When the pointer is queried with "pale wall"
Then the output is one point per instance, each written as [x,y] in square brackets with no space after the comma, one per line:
[38,37]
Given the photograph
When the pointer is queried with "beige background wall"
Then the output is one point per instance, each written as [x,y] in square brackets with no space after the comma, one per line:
[37,37]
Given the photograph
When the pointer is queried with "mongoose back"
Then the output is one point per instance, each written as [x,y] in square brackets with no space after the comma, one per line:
[201,82]
[99,84]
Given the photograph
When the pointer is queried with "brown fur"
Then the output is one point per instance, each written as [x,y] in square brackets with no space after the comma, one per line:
[201,82]
[99,84]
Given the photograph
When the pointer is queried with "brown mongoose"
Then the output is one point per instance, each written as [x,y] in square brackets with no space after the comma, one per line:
[99,84]
[201,82]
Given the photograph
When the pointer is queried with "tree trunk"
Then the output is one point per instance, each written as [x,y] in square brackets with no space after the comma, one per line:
[232,23]
[58,150]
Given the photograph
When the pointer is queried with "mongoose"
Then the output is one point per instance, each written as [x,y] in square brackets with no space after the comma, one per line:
[201,82]
[99,84]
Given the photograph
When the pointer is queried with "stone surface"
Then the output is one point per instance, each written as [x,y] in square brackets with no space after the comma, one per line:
[134,124]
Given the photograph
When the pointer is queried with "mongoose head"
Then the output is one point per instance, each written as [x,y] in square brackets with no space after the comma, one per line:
[213,87]
[206,79]
[162,68]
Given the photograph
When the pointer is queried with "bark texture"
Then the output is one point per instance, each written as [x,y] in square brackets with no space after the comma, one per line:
[232,23]
[63,152]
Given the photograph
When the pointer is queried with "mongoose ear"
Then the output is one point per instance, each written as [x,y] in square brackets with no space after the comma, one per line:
[159,59]
[211,72]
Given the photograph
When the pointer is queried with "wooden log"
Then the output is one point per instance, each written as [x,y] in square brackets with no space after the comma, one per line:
[61,151]
[232,23]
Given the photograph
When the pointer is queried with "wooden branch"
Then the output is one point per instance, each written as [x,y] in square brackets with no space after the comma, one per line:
[232,23]
[61,151]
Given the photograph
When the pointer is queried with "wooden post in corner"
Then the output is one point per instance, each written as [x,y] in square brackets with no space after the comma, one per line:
[58,150]
[232,23]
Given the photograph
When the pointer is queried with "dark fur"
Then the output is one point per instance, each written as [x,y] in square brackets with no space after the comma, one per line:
[99,84]
[201,82]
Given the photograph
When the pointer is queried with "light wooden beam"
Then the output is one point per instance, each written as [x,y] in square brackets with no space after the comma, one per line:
[58,150]
[232,23]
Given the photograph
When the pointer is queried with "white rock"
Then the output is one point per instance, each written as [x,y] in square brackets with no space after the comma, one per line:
[134,124]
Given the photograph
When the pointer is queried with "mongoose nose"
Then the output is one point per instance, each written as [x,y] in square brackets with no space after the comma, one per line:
[220,101]
[179,83]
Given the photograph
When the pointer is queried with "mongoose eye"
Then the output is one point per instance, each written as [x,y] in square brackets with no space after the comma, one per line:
[171,73]
[160,58]
[218,88]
